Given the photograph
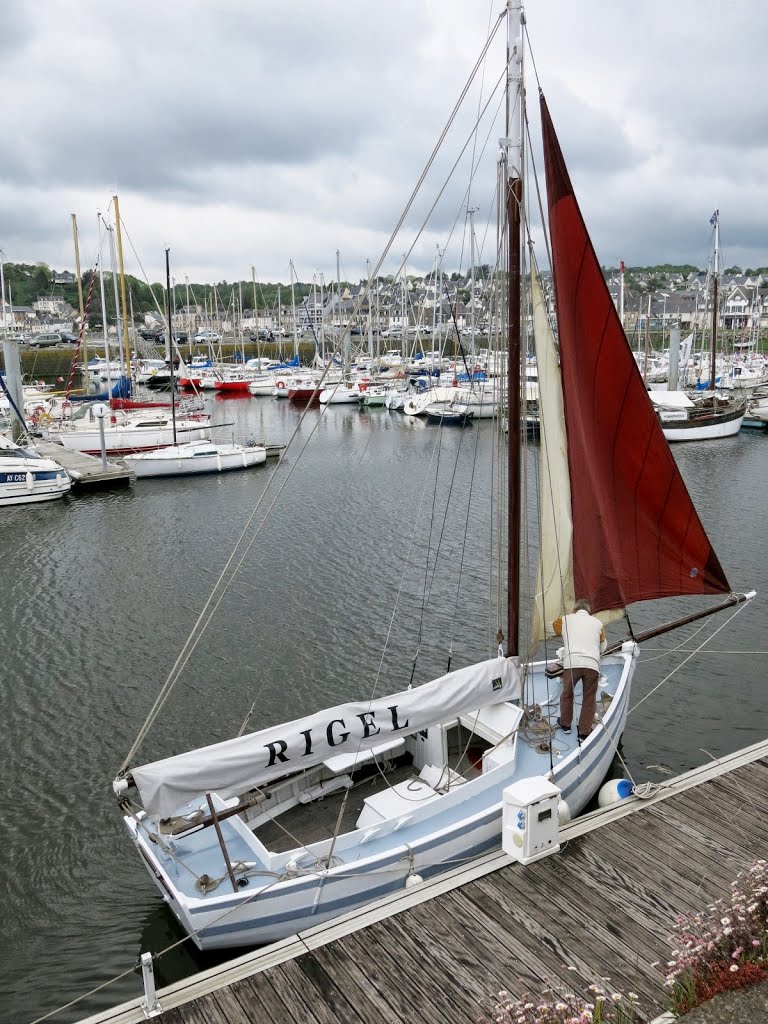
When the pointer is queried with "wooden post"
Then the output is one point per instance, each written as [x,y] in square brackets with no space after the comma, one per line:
[216,825]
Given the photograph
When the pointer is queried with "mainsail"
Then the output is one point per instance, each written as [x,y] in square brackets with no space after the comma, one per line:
[237,765]
[636,534]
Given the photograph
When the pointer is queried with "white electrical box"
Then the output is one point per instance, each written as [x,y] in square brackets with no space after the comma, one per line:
[530,822]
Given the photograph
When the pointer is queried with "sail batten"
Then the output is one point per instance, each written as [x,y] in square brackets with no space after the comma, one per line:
[636,533]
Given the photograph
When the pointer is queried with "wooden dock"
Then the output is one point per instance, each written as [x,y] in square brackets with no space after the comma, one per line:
[602,908]
[86,470]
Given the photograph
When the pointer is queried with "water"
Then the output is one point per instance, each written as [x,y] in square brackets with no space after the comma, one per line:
[102,589]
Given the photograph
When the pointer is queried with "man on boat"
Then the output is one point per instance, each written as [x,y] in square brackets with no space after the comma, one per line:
[584,637]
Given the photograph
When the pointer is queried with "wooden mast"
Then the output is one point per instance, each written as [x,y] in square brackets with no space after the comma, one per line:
[514,199]
[169,314]
[82,332]
[715,277]
[123,303]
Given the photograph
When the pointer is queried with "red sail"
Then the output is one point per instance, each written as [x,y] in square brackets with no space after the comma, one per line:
[636,534]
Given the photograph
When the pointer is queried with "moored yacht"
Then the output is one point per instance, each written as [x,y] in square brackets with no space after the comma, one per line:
[27,477]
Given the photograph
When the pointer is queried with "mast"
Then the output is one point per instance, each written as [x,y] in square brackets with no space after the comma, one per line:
[84,343]
[472,356]
[715,220]
[370,312]
[103,302]
[118,315]
[404,303]
[647,349]
[514,198]
[123,303]
[240,319]
[621,293]
[255,313]
[293,310]
[169,317]
[2,293]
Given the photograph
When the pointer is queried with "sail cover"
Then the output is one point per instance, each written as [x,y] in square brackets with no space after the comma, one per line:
[636,534]
[234,766]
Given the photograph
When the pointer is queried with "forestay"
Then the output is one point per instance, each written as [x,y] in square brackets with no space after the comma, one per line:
[237,765]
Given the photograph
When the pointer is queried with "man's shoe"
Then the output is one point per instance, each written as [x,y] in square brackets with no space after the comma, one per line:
[582,737]
[566,728]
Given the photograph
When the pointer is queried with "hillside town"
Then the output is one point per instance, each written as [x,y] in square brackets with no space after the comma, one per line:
[645,297]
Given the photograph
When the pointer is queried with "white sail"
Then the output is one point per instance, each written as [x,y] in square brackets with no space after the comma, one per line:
[237,765]
[555,589]
[554,585]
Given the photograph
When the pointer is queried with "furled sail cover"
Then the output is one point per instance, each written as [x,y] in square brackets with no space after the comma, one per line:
[636,534]
[237,765]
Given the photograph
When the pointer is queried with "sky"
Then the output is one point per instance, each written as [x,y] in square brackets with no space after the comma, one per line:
[245,136]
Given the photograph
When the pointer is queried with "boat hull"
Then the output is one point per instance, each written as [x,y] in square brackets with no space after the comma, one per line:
[25,488]
[124,442]
[462,824]
[705,428]
[183,460]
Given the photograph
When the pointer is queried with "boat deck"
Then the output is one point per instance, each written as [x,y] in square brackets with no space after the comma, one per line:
[602,908]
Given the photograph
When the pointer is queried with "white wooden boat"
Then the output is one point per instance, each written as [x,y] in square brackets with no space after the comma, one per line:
[228,832]
[699,417]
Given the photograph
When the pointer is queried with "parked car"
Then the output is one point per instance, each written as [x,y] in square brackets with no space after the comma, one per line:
[45,340]
[206,336]
[68,337]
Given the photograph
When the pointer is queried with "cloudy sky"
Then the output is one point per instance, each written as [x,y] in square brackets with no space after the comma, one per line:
[245,134]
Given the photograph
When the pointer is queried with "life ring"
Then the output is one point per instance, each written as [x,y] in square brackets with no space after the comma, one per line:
[400,375]
[281,383]
[44,419]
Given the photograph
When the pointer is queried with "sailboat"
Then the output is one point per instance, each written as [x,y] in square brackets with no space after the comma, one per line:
[194,456]
[703,415]
[228,832]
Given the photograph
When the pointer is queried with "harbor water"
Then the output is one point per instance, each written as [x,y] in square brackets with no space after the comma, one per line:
[348,570]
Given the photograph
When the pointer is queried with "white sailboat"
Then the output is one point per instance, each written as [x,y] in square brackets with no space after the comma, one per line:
[126,433]
[224,830]
[193,456]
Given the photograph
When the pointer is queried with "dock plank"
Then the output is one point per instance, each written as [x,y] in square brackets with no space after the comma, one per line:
[600,911]
[570,932]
